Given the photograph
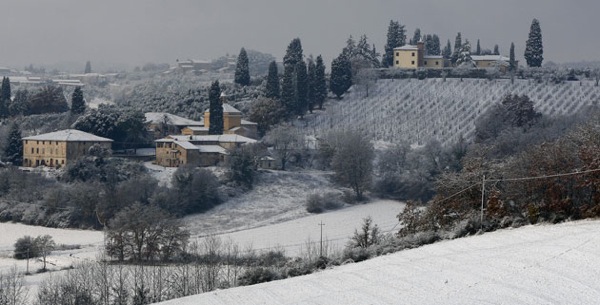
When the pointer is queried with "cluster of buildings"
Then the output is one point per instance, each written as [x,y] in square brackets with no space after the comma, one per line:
[415,56]
[179,141]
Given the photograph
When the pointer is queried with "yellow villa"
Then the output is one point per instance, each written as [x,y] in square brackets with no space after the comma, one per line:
[57,149]
[413,57]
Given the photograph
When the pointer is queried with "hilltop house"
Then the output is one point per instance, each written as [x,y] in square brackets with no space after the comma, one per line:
[57,149]
[203,150]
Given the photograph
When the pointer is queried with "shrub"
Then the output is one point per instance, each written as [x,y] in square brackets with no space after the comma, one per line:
[257,275]
[25,248]
[319,203]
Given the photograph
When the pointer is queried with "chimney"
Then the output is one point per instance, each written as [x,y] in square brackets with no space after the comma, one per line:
[420,52]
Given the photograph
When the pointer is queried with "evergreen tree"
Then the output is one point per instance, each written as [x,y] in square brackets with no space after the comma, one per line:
[242,70]
[478,50]
[215,109]
[5,97]
[272,89]
[293,53]
[301,89]
[435,46]
[447,53]
[396,37]
[320,83]
[512,62]
[464,57]
[416,36]
[19,105]
[13,152]
[428,44]
[534,50]
[77,101]
[341,75]
[88,67]
[288,90]
[457,48]
[496,50]
[311,93]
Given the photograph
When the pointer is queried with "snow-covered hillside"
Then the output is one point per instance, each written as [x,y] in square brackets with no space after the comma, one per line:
[543,264]
[416,111]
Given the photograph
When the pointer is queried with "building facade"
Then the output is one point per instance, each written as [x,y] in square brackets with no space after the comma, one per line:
[57,149]
[414,57]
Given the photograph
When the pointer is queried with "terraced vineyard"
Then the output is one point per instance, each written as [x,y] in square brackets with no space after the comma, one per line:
[416,111]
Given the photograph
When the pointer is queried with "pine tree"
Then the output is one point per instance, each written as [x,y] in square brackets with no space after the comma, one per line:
[88,67]
[341,75]
[320,82]
[242,70]
[395,38]
[311,93]
[457,48]
[288,90]
[447,53]
[215,109]
[301,89]
[464,57]
[435,46]
[416,36]
[478,50]
[534,50]
[496,50]
[77,101]
[13,152]
[272,88]
[512,62]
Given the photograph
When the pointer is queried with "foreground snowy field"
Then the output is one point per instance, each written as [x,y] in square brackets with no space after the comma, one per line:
[545,264]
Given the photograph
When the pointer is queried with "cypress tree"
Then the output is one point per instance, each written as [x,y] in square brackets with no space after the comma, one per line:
[311,93]
[5,97]
[320,82]
[293,53]
[416,36]
[301,89]
[478,49]
[341,75]
[534,50]
[435,45]
[447,53]
[13,152]
[88,67]
[272,88]
[496,50]
[288,92]
[77,101]
[512,62]
[242,70]
[215,109]
[457,48]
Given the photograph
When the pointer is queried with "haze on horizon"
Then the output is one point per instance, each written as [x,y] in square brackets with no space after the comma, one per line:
[134,32]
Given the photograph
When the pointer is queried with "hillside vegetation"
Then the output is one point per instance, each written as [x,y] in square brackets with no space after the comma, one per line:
[417,111]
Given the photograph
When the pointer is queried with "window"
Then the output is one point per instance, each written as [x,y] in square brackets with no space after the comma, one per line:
[425,63]
[412,62]
[397,53]
[437,63]
[32,150]
[397,62]
[413,54]
[37,150]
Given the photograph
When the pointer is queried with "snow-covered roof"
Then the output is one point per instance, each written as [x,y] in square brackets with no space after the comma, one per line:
[159,117]
[489,58]
[227,109]
[68,135]
[244,122]
[225,138]
[186,145]
[407,47]
[197,128]
[211,149]
[433,57]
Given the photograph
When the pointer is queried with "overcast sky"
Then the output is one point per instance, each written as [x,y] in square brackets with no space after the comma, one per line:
[133,32]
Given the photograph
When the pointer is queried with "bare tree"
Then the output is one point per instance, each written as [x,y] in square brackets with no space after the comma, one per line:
[12,288]
[45,244]
[285,141]
[353,161]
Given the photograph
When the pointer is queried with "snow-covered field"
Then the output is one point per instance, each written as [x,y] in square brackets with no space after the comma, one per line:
[543,264]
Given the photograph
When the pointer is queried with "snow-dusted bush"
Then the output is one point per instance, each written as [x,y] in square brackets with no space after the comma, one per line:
[319,203]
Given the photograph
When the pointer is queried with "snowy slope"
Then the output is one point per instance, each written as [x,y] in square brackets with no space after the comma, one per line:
[545,264]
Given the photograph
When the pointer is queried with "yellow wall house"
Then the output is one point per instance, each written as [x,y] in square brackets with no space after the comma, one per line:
[492,61]
[232,123]
[413,57]
[57,149]
[204,150]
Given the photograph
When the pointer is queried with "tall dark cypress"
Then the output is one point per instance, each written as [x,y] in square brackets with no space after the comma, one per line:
[478,49]
[272,88]
[534,49]
[320,82]
[511,60]
[242,69]
[216,110]
[293,53]
[77,101]
[311,96]
[301,89]
[395,38]
[5,97]
[288,90]
[341,75]
[457,48]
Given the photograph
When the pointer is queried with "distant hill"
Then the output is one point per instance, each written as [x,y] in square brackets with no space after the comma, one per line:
[416,111]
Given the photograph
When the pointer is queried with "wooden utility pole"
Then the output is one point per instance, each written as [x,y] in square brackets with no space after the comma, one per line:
[321,252]
[482,200]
